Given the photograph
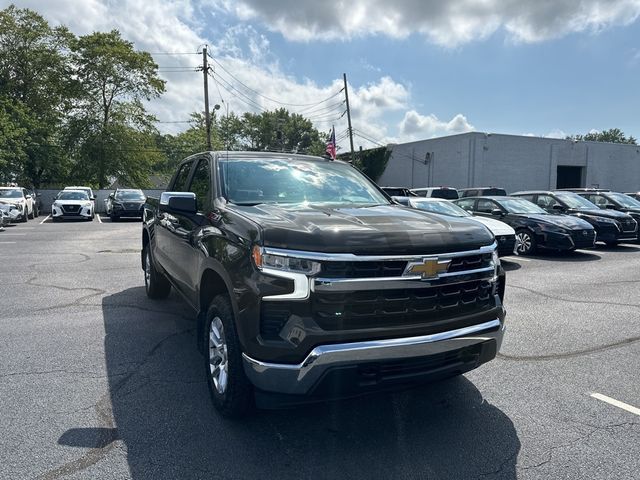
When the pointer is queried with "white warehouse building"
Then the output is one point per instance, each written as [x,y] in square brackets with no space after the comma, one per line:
[512,162]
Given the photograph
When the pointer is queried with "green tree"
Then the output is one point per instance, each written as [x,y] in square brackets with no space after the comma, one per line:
[110,128]
[613,135]
[276,130]
[35,79]
[371,162]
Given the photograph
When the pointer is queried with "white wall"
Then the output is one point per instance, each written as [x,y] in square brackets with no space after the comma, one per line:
[510,161]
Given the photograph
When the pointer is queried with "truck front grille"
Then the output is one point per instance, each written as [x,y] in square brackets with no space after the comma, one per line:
[434,308]
[385,308]
[395,268]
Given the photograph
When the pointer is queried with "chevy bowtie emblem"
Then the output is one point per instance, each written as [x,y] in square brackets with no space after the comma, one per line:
[429,268]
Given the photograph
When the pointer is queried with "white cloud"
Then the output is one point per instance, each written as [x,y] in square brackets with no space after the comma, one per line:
[556,133]
[449,23]
[415,126]
[161,26]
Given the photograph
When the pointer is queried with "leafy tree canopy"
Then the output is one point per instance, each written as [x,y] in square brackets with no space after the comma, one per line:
[613,135]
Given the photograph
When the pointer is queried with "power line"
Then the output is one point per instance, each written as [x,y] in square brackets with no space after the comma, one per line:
[272,99]
[175,53]
[240,95]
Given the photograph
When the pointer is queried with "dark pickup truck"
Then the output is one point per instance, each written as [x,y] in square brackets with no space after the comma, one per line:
[309,283]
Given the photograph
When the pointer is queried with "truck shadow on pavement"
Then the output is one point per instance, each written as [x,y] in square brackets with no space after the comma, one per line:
[162,416]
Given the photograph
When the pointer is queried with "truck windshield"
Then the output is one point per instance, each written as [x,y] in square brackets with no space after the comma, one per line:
[247,181]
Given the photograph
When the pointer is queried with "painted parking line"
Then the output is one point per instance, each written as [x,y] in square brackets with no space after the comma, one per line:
[45,219]
[616,403]
[4,243]
[98,217]
[13,234]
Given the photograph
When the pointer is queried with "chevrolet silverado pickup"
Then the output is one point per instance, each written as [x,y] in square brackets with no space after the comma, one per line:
[308,282]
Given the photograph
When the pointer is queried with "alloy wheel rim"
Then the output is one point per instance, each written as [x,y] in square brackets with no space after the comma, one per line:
[147,269]
[218,359]
[525,242]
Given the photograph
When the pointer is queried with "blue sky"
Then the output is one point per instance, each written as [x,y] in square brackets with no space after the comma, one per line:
[416,68]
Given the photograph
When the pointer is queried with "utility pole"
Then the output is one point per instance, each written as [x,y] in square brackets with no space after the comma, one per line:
[205,73]
[346,96]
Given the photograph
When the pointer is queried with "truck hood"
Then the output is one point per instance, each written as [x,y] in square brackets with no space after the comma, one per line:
[564,221]
[382,229]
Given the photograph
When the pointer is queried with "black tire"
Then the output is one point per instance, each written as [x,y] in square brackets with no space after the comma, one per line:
[156,284]
[114,218]
[527,242]
[33,214]
[25,215]
[236,399]
[613,243]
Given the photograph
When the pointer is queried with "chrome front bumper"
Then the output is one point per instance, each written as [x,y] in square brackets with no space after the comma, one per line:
[301,378]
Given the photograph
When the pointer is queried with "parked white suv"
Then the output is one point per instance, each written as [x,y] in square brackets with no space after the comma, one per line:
[20,198]
[89,193]
[72,204]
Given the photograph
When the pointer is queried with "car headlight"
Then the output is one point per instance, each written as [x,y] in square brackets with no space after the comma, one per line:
[88,204]
[117,205]
[284,263]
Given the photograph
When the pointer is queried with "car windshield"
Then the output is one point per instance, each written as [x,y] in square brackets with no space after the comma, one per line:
[247,181]
[130,195]
[442,208]
[73,196]
[573,200]
[11,193]
[624,200]
[517,205]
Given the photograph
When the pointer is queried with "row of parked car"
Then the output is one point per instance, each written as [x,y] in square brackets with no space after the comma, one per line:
[79,203]
[18,204]
[526,221]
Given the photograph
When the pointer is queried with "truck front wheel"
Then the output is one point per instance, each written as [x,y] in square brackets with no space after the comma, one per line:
[231,391]
[155,283]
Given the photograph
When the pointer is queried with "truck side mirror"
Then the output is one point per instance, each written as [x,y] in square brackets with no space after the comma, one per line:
[496,212]
[183,202]
[558,208]
[610,206]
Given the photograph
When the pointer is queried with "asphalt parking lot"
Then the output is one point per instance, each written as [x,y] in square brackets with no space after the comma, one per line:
[97,381]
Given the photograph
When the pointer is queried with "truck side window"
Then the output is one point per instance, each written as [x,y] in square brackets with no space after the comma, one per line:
[201,186]
[180,185]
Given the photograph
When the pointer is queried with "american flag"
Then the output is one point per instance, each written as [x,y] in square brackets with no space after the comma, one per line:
[331,144]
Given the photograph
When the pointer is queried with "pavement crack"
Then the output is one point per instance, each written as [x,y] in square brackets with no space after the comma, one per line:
[108,432]
[577,353]
[571,300]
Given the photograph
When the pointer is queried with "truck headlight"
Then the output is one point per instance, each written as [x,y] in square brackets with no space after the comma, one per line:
[264,260]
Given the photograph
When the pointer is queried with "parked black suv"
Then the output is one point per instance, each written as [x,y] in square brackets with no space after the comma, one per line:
[608,200]
[309,283]
[611,227]
[534,227]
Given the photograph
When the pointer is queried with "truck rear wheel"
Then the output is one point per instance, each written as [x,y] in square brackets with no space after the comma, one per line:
[231,391]
[156,284]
